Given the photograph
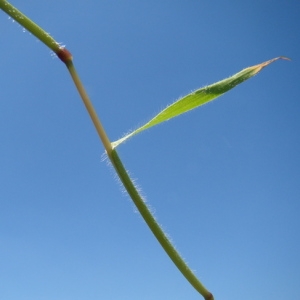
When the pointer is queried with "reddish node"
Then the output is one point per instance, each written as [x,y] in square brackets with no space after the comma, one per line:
[209,297]
[64,55]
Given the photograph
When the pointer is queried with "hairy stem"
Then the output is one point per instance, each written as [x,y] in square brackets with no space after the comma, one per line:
[89,106]
[27,23]
[155,228]
[66,57]
[134,194]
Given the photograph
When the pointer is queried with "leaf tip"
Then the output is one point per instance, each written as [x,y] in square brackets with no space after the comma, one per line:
[259,67]
[284,57]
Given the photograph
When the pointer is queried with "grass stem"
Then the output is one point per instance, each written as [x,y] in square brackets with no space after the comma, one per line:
[89,106]
[32,27]
[134,194]
[156,229]
[66,57]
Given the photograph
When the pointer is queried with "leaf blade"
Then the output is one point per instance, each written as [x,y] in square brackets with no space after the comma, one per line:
[199,98]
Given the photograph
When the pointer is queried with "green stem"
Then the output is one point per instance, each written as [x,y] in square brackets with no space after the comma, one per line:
[36,30]
[155,228]
[89,106]
[66,57]
[134,194]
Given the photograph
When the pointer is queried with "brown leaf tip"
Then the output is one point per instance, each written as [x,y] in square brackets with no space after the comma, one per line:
[284,57]
[258,67]
[272,60]
[64,55]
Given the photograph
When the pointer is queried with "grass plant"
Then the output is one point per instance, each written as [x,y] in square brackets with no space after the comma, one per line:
[186,103]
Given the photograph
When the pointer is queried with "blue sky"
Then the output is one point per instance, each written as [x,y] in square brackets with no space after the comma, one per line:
[223,180]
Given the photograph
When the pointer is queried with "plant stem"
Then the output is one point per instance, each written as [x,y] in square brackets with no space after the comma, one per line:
[27,23]
[155,228]
[134,194]
[66,57]
[89,106]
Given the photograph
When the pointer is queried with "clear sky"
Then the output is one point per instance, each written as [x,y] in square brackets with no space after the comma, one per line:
[223,180]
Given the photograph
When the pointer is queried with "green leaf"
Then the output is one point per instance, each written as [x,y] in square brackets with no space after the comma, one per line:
[199,97]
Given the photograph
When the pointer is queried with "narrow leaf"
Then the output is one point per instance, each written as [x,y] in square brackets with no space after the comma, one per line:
[199,97]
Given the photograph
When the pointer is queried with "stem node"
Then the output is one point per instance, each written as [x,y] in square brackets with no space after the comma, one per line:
[64,55]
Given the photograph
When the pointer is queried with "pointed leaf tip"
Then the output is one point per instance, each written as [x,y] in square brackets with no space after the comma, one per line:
[259,67]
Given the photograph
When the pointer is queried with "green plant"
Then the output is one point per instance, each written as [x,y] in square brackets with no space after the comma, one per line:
[186,103]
